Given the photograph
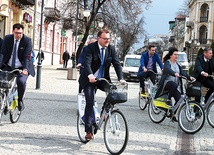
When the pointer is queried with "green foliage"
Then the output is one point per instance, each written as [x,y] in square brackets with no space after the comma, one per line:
[191,69]
[200,51]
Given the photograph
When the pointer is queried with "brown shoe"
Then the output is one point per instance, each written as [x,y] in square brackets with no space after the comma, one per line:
[89,136]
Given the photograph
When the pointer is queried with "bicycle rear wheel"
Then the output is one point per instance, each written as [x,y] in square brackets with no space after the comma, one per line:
[191,117]
[156,114]
[2,106]
[81,129]
[143,101]
[210,114]
[116,132]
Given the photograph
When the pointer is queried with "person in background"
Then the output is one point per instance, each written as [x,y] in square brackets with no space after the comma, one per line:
[42,56]
[169,82]
[204,66]
[82,54]
[81,58]
[65,58]
[148,61]
[15,54]
[98,58]
[33,57]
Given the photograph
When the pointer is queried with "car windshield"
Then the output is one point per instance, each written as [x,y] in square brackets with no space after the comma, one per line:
[182,58]
[132,62]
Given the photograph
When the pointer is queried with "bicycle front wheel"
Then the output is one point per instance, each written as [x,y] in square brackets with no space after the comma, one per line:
[143,101]
[156,114]
[14,112]
[81,129]
[116,132]
[210,114]
[191,117]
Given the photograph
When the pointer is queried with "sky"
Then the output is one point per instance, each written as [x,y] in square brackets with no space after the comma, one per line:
[158,15]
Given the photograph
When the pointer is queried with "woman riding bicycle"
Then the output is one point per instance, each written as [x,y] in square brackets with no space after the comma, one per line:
[169,82]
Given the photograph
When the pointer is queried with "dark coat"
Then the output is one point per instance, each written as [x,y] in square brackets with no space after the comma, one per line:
[145,59]
[199,66]
[24,52]
[92,63]
[65,56]
[168,71]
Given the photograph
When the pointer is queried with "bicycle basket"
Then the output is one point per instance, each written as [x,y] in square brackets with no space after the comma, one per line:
[6,80]
[117,95]
[193,89]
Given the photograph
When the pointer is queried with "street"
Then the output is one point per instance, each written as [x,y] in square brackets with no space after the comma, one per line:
[48,124]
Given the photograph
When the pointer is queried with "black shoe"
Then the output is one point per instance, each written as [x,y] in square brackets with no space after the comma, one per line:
[5,110]
[21,106]
[174,119]
[168,103]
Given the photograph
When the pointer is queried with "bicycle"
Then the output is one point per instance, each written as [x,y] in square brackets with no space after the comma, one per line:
[191,116]
[8,95]
[144,99]
[209,107]
[115,130]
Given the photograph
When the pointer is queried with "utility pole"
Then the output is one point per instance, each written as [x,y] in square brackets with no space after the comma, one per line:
[39,66]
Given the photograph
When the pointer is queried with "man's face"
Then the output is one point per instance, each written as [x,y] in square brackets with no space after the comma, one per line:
[152,51]
[18,33]
[208,55]
[104,39]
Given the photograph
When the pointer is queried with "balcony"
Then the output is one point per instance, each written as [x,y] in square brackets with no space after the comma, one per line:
[26,2]
[52,14]
[68,24]
[202,41]
[203,19]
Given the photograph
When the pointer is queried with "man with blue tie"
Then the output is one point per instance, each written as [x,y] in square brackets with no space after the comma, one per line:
[98,59]
[16,54]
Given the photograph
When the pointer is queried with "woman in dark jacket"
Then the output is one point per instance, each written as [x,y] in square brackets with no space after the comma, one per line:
[170,82]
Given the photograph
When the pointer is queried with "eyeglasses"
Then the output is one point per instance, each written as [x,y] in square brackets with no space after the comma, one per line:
[106,39]
[18,32]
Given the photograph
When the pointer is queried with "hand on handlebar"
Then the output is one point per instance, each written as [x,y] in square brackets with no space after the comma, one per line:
[177,74]
[192,79]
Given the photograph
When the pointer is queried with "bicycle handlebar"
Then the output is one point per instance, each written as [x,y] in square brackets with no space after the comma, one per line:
[191,81]
[15,70]
[111,84]
[153,72]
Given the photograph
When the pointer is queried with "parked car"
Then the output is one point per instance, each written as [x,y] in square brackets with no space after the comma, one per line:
[130,67]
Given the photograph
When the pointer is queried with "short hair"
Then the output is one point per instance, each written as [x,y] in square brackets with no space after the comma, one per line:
[207,49]
[105,30]
[151,46]
[18,26]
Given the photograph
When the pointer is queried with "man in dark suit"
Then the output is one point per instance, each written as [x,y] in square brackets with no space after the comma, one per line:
[148,61]
[204,66]
[16,53]
[98,58]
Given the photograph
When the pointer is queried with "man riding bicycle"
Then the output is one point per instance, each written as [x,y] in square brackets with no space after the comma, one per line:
[148,61]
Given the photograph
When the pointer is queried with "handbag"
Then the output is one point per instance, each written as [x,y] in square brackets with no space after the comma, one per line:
[193,89]
[117,97]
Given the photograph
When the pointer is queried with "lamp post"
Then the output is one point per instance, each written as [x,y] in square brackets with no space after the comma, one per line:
[39,66]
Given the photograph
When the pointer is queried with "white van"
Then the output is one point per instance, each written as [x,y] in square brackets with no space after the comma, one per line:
[182,60]
[131,65]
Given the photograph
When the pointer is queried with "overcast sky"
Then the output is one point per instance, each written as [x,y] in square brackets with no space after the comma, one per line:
[158,15]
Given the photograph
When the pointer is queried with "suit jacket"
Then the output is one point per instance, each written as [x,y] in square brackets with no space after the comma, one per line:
[92,63]
[82,56]
[168,71]
[199,67]
[24,52]
[145,59]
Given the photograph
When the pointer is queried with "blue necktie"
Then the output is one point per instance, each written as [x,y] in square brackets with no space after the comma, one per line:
[14,55]
[100,74]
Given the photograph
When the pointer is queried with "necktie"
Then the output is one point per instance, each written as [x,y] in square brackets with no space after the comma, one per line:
[100,74]
[14,55]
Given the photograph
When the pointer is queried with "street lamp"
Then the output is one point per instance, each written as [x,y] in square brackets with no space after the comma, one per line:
[86,13]
[39,66]
[100,24]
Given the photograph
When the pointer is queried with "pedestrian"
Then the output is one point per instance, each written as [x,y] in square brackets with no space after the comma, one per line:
[98,58]
[65,58]
[170,82]
[73,59]
[15,53]
[33,57]
[148,62]
[204,66]
[42,56]
[81,59]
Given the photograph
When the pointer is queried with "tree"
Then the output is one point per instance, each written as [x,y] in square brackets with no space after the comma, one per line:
[116,14]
